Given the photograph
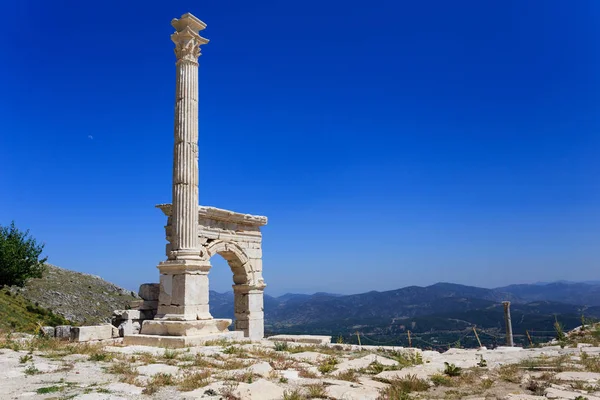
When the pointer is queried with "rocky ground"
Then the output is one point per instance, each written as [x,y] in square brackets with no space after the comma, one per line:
[50,369]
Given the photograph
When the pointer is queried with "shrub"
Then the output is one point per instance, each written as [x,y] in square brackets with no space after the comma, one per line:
[293,395]
[19,257]
[452,370]
[316,391]
[442,380]
[327,365]
[281,346]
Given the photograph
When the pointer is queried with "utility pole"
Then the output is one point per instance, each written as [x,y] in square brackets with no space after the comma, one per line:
[509,334]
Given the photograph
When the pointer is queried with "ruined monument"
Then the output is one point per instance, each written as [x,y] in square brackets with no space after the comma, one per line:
[195,233]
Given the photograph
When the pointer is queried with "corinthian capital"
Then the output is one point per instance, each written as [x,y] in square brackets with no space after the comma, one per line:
[186,38]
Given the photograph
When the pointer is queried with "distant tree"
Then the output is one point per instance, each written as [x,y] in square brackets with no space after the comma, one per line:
[19,257]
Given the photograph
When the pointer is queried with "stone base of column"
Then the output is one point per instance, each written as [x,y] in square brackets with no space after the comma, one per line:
[174,342]
[185,328]
[183,290]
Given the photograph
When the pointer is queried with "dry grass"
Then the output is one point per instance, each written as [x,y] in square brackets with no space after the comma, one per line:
[349,375]
[127,372]
[158,381]
[399,389]
[193,380]
[510,373]
[590,363]
[442,380]
[305,373]
[316,391]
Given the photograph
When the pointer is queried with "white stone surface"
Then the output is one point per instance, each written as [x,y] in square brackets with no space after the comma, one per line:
[87,333]
[153,369]
[364,362]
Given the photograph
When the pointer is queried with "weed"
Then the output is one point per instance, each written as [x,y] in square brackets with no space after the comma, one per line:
[349,375]
[293,395]
[482,362]
[452,370]
[316,391]
[25,358]
[536,387]
[101,356]
[228,391]
[328,365]
[170,354]
[486,383]
[281,346]
[49,389]
[194,380]
[404,358]
[159,380]
[283,380]
[509,373]
[127,371]
[32,370]
[305,373]
[442,380]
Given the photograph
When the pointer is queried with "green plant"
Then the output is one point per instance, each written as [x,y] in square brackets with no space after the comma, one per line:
[316,391]
[327,365]
[482,362]
[49,389]
[169,354]
[31,370]
[340,339]
[101,356]
[25,358]
[283,380]
[194,380]
[281,346]
[399,388]
[293,395]
[157,381]
[560,332]
[349,375]
[441,380]
[19,257]
[452,370]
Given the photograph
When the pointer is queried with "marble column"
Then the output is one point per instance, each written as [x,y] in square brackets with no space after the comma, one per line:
[184,276]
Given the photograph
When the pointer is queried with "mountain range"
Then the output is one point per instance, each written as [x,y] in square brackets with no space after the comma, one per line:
[442,307]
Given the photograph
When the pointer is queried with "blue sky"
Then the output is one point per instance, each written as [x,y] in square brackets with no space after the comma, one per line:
[389,143]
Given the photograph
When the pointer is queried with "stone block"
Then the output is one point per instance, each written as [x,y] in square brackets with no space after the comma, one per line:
[115,332]
[313,339]
[185,328]
[63,332]
[149,291]
[166,289]
[47,331]
[87,333]
[133,314]
[143,305]
[129,327]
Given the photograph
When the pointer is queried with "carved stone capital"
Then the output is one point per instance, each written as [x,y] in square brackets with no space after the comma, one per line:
[186,38]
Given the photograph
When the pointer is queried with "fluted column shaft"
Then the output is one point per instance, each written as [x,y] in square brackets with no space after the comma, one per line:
[184,243]
[185,161]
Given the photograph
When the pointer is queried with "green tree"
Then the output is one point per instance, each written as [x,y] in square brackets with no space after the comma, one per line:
[19,257]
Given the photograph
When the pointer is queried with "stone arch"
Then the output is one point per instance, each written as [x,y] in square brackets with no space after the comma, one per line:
[236,258]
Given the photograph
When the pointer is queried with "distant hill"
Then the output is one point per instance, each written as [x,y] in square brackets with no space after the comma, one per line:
[78,297]
[585,294]
[443,307]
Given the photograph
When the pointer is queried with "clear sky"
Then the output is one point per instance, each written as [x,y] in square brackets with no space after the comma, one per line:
[389,143]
